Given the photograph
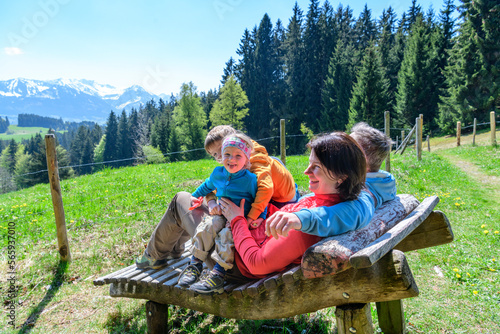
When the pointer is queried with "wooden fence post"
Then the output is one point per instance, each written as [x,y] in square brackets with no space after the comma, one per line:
[493,126]
[459,132]
[55,189]
[418,138]
[283,141]
[474,132]
[388,134]
[428,144]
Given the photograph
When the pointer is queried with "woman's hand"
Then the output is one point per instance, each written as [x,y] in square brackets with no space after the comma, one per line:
[280,223]
[214,208]
[231,210]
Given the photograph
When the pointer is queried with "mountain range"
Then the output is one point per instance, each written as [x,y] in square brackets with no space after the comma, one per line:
[69,99]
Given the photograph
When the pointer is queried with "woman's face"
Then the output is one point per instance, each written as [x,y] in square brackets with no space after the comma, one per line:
[320,182]
[233,159]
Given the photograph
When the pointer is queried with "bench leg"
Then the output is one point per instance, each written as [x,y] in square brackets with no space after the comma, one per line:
[157,317]
[391,317]
[354,318]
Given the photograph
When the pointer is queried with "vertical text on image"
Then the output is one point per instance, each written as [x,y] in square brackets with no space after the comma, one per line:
[11,274]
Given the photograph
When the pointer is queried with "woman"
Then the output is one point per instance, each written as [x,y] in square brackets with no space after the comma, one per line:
[336,171]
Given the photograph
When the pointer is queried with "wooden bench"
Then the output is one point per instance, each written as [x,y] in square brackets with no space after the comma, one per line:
[348,271]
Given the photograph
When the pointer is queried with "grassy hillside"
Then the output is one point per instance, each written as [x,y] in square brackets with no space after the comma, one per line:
[111,214]
[19,133]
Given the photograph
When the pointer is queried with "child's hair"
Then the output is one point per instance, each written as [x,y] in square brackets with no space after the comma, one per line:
[242,142]
[217,134]
[374,143]
[342,157]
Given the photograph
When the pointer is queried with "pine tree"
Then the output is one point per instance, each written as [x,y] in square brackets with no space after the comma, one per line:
[123,142]
[230,107]
[365,29]
[10,159]
[190,122]
[472,76]
[228,70]
[391,53]
[293,56]
[313,79]
[337,91]
[369,97]
[416,79]
[111,147]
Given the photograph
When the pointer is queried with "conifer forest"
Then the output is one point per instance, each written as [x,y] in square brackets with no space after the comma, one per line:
[321,70]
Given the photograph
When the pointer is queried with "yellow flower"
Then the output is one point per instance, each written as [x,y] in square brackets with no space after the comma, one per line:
[468,274]
[475,292]
[457,204]
[71,221]
[458,276]
[486,231]
[455,270]
[496,232]
[483,226]
[491,269]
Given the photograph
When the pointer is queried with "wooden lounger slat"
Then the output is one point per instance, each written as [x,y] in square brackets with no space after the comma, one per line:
[116,278]
[101,280]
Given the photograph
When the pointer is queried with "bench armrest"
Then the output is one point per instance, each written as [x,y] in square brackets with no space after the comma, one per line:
[381,246]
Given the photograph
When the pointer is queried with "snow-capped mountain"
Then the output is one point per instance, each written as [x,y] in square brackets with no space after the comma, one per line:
[69,99]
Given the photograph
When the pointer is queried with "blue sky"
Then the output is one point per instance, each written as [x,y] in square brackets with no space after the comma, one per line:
[152,43]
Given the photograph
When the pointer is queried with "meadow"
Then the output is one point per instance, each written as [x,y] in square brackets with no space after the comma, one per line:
[19,133]
[111,214]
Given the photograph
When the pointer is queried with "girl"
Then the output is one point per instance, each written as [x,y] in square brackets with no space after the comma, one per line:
[234,182]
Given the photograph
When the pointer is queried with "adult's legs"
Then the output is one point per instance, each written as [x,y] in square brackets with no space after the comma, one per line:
[176,227]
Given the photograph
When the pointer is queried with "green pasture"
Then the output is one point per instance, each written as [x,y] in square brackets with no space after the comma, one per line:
[111,214]
[19,133]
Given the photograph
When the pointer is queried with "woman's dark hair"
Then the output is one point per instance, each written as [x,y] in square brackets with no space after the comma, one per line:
[343,158]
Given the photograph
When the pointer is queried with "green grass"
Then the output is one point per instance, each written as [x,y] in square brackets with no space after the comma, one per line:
[111,214]
[19,133]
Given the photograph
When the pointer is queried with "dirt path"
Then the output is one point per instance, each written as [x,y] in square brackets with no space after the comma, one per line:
[492,183]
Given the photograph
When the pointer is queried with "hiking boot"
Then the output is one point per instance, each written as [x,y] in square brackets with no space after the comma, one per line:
[190,275]
[212,283]
[147,262]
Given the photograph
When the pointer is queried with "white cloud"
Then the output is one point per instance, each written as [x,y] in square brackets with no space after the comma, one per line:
[12,51]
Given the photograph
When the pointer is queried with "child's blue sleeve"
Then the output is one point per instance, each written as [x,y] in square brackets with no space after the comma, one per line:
[326,221]
[205,188]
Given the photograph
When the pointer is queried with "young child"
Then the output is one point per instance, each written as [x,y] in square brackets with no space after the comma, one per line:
[234,181]
[275,183]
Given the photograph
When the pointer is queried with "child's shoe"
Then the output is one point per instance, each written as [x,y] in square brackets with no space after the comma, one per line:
[190,275]
[212,283]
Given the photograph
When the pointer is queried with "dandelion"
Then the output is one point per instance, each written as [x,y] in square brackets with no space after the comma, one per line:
[468,275]
[455,270]
[458,276]
[457,204]
[475,292]
[491,269]
[496,232]
[486,231]
[71,221]
[483,226]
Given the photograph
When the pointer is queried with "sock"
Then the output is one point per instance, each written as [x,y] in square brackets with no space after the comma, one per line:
[219,270]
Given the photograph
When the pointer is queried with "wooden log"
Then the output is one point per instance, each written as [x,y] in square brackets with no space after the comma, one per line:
[331,255]
[354,318]
[157,318]
[378,248]
[391,317]
[474,132]
[283,141]
[57,202]
[387,130]
[404,143]
[388,279]
[493,125]
[435,230]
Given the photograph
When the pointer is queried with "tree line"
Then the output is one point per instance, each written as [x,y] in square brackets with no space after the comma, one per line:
[325,70]
[32,120]
[4,124]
